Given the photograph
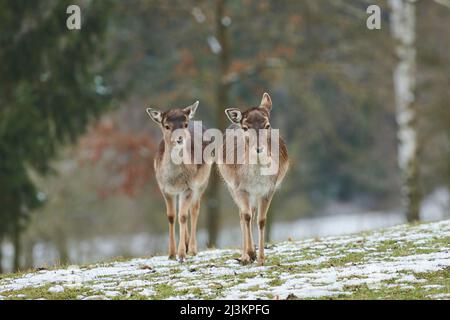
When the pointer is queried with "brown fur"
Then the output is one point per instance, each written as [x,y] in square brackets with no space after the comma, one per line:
[249,189]
[187,182]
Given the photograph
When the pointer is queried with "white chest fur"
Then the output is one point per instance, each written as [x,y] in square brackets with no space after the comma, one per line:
[174,178]
[254,182]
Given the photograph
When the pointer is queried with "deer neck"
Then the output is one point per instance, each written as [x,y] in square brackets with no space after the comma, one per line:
[167,156]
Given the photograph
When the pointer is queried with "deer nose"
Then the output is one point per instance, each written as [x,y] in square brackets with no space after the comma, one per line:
[259,150]
[180,140]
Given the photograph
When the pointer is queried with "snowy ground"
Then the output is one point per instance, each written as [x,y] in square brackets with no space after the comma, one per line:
[337,219]
[403,262]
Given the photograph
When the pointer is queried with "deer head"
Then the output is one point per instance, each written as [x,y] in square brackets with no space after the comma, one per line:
[255,121]
[174,124]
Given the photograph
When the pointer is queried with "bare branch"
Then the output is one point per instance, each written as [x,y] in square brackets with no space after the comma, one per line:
[252,69]
[445,3]
[349,8]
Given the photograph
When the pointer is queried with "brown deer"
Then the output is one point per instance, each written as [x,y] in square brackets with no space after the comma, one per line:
[185,181]
[249,188]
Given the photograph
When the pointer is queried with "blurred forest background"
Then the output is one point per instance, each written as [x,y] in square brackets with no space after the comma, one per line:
[76,146]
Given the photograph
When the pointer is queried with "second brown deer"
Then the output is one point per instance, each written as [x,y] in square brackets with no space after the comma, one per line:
[250,189]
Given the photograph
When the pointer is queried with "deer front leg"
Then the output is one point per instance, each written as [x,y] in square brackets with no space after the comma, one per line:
[186,237]
[243,202]
[194,217]
[185,204]
[264,204]
[251,247]
[171,214]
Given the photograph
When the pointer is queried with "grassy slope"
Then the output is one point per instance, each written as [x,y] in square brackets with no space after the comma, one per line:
[404,262]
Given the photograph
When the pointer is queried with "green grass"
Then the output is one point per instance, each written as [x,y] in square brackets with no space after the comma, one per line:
[409,292]
[297,261]
[42,292]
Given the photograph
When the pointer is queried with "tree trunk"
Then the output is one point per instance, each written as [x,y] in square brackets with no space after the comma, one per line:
[222,97]
[28,254]
[403,24]
[62,247]
[269,219]
[17,246]
[1,254]
[213,207]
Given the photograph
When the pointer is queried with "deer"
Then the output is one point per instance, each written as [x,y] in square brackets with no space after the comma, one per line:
[250,189]
[184,182]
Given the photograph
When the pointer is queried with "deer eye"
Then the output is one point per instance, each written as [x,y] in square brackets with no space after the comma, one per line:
[244,128]
[185,125]
[267,126]
[167,127]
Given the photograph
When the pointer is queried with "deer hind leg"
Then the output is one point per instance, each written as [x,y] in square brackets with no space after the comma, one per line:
[183,211]
[186,235]
[194,217]
[242,199]
[264,204]
[251,251]
[171,214]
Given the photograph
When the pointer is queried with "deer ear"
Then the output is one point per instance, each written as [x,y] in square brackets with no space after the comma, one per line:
[234,114]
[266,102]
[156,115]
[190,111]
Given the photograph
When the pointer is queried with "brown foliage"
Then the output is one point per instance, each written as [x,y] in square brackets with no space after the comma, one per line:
[126,157]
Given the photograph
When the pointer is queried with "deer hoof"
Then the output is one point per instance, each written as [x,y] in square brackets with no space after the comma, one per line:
[252,255]
[192,252]
[245,259]
[181,251]
[261,262]
[172,257]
